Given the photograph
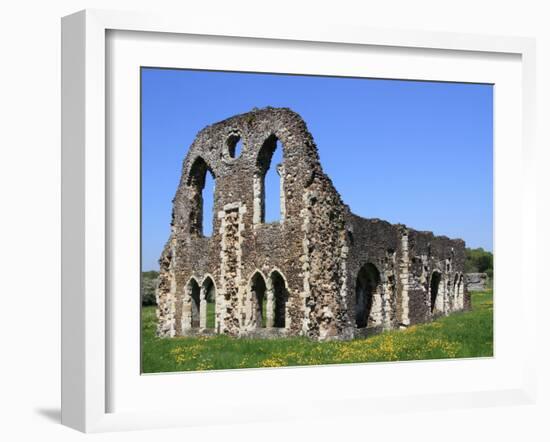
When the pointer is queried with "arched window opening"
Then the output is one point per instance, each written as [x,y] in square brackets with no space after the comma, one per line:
[269,198]
[368,280]
[349,235]
[202,187]
[209,290]
[234,146]
[434,288]
[194,292]
[454,294]
[461,292]
[279,300]
[258,292]
[208,204]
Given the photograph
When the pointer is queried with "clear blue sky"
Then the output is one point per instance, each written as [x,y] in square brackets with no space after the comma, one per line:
[417,153]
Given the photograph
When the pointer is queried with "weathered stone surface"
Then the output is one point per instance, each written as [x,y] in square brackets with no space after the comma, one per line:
[320,271]
[476,281]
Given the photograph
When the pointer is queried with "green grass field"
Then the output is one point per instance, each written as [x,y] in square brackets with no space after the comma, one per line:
[460,335]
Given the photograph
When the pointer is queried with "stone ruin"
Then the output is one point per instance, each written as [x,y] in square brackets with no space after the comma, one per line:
[321,271]
[476,281]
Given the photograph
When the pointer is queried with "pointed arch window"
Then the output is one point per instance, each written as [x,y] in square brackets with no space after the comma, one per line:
[269,197]
[208,301]
[367,287]
[258,299]
[435,281]
[192,315]
[202,184]
[277,298]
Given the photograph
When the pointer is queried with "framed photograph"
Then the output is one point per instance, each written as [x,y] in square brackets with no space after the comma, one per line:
[265,219]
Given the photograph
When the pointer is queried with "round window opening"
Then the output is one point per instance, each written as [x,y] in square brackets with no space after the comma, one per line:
[234,146]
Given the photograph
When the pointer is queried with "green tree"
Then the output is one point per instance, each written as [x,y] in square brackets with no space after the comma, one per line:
[148,287]
[479,261]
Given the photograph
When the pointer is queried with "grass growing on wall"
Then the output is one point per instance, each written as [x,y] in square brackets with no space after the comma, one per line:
[460,335]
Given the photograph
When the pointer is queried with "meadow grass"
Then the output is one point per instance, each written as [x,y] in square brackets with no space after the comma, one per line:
[460,335]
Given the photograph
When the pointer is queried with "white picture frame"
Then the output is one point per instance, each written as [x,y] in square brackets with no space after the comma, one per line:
[87,355]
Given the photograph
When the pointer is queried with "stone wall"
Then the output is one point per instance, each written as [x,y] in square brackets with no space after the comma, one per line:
[320,271]
[436,276]
[476,281]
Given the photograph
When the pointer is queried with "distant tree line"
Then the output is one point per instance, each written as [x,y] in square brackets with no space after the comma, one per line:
[479,261]
[148,287]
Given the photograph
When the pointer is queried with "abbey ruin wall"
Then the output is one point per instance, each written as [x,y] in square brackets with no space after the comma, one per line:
[320,271]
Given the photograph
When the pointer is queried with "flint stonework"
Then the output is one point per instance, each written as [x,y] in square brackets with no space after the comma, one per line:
[321,271]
